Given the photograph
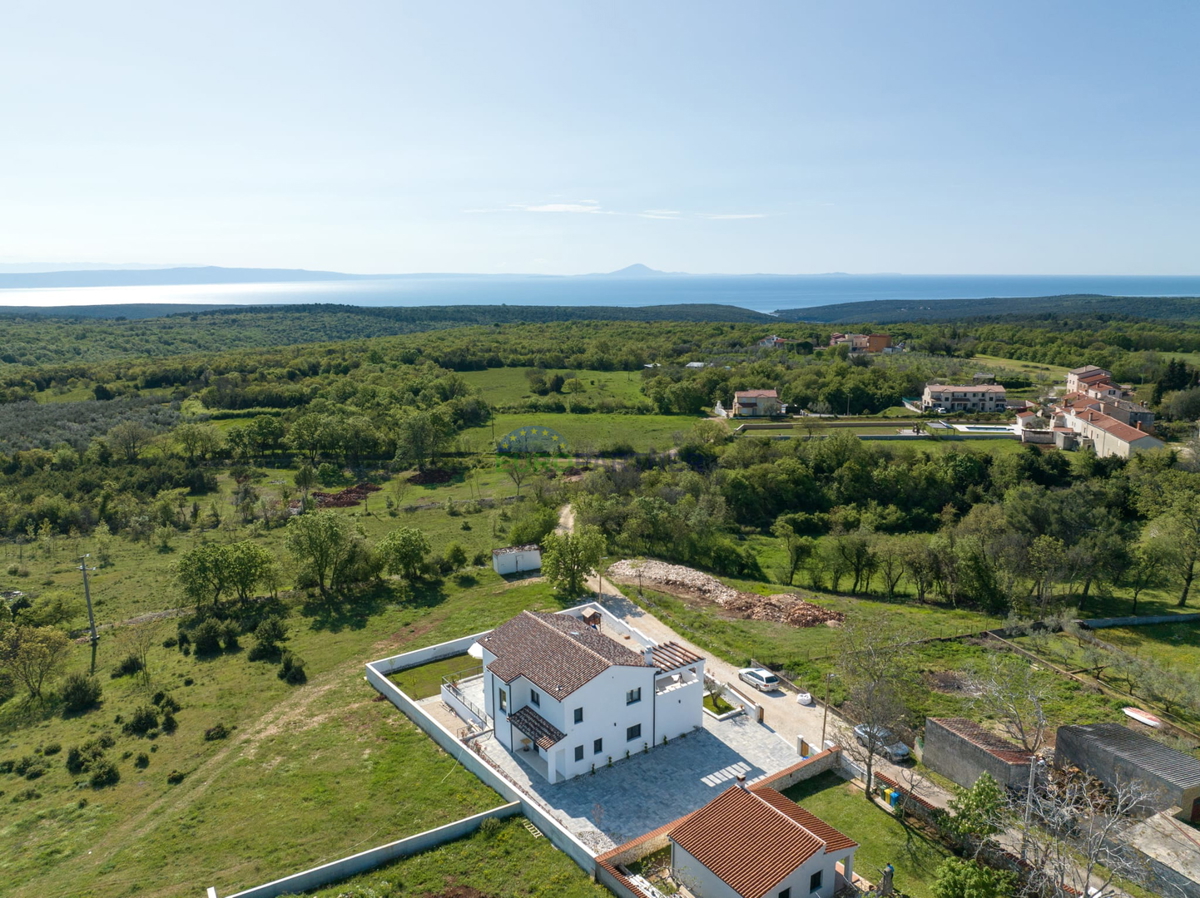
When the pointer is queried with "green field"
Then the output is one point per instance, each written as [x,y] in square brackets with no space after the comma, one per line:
[503,387]
[308,774]
[591,433]
[508,864]
[882,838]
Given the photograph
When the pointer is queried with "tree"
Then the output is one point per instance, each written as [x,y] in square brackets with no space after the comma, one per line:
[305,480]
[871,662]
[421,436]
[978,812]
[322,543]
[798,548]
[247,566]
[1142,571]
[197,440]
[1175,537]
[1014,696]
[33,655]
[969,879]
[129,438]
[568,557]
[519,467]
[202,576]
[403,551]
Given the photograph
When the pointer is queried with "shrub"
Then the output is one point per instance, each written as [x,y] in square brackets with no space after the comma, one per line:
[480,559]
[52,749]
[7,766]
[142,721]
[229,635]
[165,701]
[27,795]
[25,764]
[104,773]
[175,777]
[105,740]
[490,827]
[188,681]
[220,731]
[170,642]
[131,665]
[291,670]
[34,772]
[80,692]
[271,630]
[206,637]
[142,761]
[168,723]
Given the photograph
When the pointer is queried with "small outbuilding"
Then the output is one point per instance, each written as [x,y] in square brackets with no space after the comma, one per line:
[517,559]
[961,750]
[1118,756]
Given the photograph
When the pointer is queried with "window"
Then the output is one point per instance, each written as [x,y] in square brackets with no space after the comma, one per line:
[633,732]
[786,893]
[598,746]
[633,696]
[535,698]
[503,700]
[579,715]
[578,752]
[814,881]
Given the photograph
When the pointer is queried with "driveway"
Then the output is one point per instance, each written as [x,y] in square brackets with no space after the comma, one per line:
[650,789]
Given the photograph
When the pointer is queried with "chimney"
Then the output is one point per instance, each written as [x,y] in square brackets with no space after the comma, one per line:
[741,781]
[1139,425]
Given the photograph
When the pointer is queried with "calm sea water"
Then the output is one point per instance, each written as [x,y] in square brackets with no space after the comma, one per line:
[761,293]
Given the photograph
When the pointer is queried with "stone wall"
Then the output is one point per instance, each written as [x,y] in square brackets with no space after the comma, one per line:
[963,761]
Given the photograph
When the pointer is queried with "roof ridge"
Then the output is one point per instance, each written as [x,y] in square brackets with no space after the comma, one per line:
[786,817]
[558,632]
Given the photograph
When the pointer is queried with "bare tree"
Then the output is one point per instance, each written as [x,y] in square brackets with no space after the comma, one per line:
[871,663]
[1012,695]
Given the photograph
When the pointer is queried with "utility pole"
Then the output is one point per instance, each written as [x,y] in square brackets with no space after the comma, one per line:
[87,594]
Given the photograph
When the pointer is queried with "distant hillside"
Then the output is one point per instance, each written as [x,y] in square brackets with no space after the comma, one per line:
[88,334]
[1079,305]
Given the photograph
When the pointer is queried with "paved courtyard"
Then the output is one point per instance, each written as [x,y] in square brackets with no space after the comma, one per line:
[649,789]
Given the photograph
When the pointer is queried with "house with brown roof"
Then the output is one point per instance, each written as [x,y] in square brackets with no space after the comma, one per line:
[756,404]
[1079,379]
[758,843]
[1105,434]
[569,695]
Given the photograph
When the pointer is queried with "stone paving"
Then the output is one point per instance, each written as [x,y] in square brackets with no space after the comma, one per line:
[649,789]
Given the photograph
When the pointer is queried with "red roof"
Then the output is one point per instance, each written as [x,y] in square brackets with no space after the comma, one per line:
[756,394]
[1113,427]
[752,839]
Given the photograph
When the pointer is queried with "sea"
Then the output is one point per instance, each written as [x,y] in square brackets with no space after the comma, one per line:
[766,293]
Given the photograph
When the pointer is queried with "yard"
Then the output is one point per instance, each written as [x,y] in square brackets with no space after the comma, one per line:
[509,863]
[503,387]
[586,434]
[883,839]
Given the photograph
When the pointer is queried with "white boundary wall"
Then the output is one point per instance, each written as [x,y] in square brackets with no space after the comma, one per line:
[377,675]
[346,867]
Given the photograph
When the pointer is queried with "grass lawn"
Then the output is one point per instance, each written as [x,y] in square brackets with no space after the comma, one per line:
[509,386]
[426,680]
[1030,370]
[308,774]
[589,433]
[882,838]
[716,704]
[509,864]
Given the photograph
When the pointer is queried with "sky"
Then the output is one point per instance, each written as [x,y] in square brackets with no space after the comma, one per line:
[572,137]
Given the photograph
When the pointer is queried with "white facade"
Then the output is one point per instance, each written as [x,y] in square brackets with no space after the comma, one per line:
[516,559]
[703,883]
[964,398]
[619,712]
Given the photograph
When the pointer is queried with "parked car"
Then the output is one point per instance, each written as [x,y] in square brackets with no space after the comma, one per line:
[762,680]
[885,742]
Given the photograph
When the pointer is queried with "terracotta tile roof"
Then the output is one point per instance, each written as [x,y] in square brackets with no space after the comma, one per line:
[756,394]
[671,655]
[555,652]
[1113,427]
[536,727]
[834,839]
[748,840]
[967,388]
[994,745]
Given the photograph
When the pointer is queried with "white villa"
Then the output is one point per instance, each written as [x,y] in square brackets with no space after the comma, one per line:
[964,397]
[757,843]
[579,689]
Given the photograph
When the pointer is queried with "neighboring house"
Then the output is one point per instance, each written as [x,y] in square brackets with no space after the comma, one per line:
[983,378]
[556,686]
[772,342]
[757,843]
[964,398]
[517,559]
[1117,756]
[756,404]
[862,342]
[1079,379]
[696,365]
[961,750]
[1106,435]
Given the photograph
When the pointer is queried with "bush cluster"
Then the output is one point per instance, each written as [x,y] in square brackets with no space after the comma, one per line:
[291,669]
[80,692]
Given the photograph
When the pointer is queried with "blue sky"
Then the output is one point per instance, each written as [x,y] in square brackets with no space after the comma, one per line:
[559,137]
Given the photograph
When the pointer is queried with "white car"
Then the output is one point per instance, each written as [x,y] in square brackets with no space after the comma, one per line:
[762,680]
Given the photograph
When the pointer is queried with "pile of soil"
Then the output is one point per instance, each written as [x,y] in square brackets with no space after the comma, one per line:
[430,477]
[347,498]
[786,608]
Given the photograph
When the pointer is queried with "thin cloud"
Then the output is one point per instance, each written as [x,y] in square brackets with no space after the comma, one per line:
[587,207]
[735,216]
[661,214]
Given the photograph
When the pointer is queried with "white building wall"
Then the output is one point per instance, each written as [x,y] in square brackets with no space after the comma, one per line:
[697,878]
[517,562]
[680,709]
[607,717]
